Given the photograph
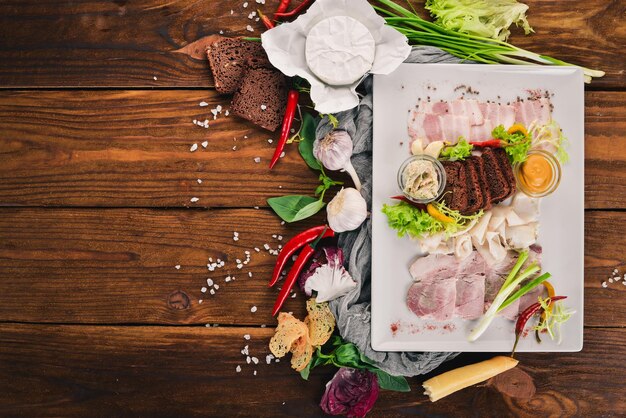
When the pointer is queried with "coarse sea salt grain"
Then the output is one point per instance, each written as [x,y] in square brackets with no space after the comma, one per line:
[246,336]
[203,290]
[203,104]
[200,301]
[249,28]
[209,282]
[254,373]
[194,199]
[253,309]
[199,181]
[282,154]
[238,369]
[249,274]
[193,147]
[263,107]
[604,284]
[245,4]
[227,279]
[212,291]
[268,358]
[257,159]
[155,79]
[216,286]
[255,360]
[205,144]
[177,266]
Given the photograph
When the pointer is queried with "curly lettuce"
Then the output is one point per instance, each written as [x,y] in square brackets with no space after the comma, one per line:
[485,18]
[417,223]
[458,152]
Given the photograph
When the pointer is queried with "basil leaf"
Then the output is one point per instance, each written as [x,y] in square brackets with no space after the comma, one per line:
[307,137]
[389,382]
[294,208]
[309,210]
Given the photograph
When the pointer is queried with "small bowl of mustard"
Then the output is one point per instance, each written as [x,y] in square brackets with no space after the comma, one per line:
[421,178]
[539,175]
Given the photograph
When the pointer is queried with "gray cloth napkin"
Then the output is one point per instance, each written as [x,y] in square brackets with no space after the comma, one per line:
[352,311]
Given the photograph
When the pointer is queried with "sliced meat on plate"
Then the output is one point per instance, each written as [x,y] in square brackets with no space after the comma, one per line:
[453,127]
[529,111]
[434,299]
[470,296]
[499,114]
[433,267]
[436,108]
[425,126]
[480,133]
[469,108]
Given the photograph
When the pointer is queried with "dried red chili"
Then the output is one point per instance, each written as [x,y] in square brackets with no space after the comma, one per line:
[525,316]
[295,12]
[290,113]
[298,265]
[266,20]
[283,6]
[496,143]
[295,244]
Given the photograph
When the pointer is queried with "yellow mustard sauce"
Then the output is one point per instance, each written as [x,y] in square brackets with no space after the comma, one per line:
[536,173]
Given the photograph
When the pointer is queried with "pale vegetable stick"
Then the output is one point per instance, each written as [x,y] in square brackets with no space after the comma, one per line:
[449,382]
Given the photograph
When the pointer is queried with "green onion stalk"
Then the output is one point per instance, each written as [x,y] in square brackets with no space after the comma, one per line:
[468,47]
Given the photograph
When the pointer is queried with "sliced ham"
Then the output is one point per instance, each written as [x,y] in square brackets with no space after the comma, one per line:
[529,111]
[434,299]
[470,296]
[434,267]
[436,108]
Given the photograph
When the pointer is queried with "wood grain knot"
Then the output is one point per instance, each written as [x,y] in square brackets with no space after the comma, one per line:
[178,300]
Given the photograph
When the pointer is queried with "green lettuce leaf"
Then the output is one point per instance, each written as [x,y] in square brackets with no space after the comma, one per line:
[485,18]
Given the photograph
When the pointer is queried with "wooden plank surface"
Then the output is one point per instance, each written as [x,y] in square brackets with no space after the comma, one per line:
[124,43]
[131,149]
[117,266]
[148,371]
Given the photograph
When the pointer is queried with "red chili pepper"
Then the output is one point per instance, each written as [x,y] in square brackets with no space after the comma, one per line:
[283,6]
[496,143]
[298,265]
[290,112]
[295,12]
[295,244]
[266,20]
[526,315]
[410,202]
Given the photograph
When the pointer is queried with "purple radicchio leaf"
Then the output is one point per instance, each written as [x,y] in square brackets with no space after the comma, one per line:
[350,392]
[327,255]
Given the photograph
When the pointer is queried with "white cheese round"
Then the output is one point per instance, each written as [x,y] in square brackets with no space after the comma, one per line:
[340,50]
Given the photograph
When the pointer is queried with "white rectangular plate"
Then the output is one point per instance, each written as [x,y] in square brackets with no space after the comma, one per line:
[561,231]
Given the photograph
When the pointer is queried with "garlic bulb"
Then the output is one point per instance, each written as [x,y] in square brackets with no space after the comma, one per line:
[334,152]
[347,210]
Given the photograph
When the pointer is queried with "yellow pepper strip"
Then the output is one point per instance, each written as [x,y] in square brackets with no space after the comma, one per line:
[449,382]
[434,212]
[551,294]
[518,127]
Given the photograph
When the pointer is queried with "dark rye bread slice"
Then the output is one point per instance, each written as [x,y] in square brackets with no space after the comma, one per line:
[455,192]
[477,189]
[499,187]
[228,59]
[262,97]
[507,169]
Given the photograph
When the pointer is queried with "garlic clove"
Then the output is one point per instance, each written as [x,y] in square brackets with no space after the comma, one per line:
[416,147]
[347,210]
[434,148]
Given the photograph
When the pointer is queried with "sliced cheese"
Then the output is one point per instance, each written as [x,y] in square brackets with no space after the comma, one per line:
[339,50]
[449,382]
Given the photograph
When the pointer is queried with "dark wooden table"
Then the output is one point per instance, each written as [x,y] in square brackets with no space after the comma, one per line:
[96,107]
